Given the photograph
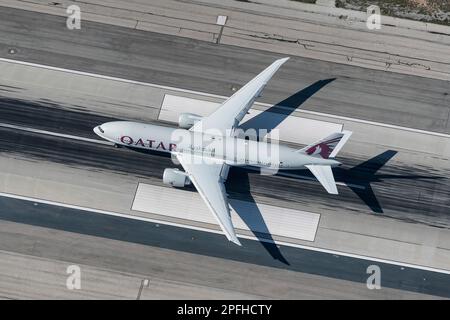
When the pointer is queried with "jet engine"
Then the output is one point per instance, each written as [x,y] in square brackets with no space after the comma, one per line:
[175,178]
[187,120]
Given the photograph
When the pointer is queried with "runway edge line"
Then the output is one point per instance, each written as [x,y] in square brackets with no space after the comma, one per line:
[116,214]
[82,73]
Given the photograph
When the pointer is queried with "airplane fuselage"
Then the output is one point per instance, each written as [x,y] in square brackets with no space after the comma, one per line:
[234,151]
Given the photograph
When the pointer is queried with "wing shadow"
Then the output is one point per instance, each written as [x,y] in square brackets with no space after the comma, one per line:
[249,212]
[273,116]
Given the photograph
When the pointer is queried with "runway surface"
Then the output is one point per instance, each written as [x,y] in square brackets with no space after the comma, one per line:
[382,188]
[387,189]
[208,244]
[357,92]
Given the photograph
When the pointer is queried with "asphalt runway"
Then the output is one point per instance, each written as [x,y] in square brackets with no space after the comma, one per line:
[382,187]
[385,97]
[209,244]
[387,189]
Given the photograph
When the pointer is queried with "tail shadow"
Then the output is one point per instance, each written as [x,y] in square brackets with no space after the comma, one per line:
[360,177]
[273,116]
[249,212]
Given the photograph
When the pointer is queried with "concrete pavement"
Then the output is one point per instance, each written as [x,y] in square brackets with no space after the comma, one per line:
[287,27]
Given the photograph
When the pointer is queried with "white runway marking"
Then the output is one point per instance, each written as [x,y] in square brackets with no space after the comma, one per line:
[250,216]
[339,253]
[216,96]
[54,134]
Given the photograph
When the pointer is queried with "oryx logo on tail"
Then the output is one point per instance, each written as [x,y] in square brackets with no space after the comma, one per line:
[327,147]
[323,149]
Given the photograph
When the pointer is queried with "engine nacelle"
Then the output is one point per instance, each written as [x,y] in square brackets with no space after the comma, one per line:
[175,178]
[187,120]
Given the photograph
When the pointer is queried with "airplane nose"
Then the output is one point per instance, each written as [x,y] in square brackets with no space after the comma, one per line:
[99,131]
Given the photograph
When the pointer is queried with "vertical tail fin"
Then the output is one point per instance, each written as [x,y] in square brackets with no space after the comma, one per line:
[327,147]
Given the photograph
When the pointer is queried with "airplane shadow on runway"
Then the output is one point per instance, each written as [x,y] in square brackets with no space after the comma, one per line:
[267,120]
[249,212]
[357,178]
[360,177]
[246,208]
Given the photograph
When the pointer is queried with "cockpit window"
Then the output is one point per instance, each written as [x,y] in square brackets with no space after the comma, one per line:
[101,130]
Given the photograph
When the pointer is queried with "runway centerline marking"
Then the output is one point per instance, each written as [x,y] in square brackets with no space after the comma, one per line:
[88,74]
[54,134]
[294,245]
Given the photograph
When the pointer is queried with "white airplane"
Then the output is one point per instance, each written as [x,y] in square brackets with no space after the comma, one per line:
[207,147]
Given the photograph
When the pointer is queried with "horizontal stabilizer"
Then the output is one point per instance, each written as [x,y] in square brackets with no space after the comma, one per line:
[324,174]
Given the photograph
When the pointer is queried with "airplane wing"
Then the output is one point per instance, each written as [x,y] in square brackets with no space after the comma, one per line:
[209,180]
[233,110]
